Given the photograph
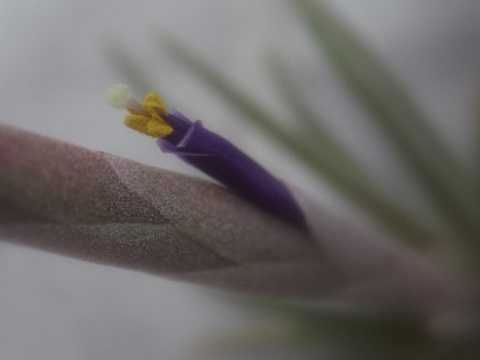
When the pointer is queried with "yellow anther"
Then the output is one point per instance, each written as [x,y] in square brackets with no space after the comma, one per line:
[153,101]
[147,117]
[151,120]
[158,130]
[137,122]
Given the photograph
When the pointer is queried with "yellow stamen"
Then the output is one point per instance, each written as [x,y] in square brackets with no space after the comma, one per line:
[153,101]
[151,120]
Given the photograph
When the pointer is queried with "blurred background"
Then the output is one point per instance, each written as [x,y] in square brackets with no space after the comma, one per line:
[58,57]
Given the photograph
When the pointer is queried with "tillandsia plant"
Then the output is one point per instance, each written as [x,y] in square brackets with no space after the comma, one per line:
[358,293]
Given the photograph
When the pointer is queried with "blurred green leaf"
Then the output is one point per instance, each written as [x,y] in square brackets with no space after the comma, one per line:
[353,333]
[366,196]
[368,335]
[127,68]
[310,127]
[441,176]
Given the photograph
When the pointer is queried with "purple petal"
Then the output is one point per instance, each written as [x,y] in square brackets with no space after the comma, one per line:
[224,162]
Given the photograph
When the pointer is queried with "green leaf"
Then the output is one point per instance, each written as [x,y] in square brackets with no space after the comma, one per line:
[310,127]
[442,178]
[343,179]
[352,331]
[127,68]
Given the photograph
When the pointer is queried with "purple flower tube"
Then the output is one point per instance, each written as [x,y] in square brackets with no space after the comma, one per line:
[223,161]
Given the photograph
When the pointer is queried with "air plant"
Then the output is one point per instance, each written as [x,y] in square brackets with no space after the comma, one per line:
[399,292]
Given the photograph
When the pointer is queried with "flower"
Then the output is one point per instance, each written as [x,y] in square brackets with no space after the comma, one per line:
[147,117]
[208,152]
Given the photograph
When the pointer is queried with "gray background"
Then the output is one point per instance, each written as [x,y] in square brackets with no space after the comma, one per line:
[52,77]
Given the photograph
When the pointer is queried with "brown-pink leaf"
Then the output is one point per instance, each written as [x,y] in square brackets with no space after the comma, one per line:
[95,206]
